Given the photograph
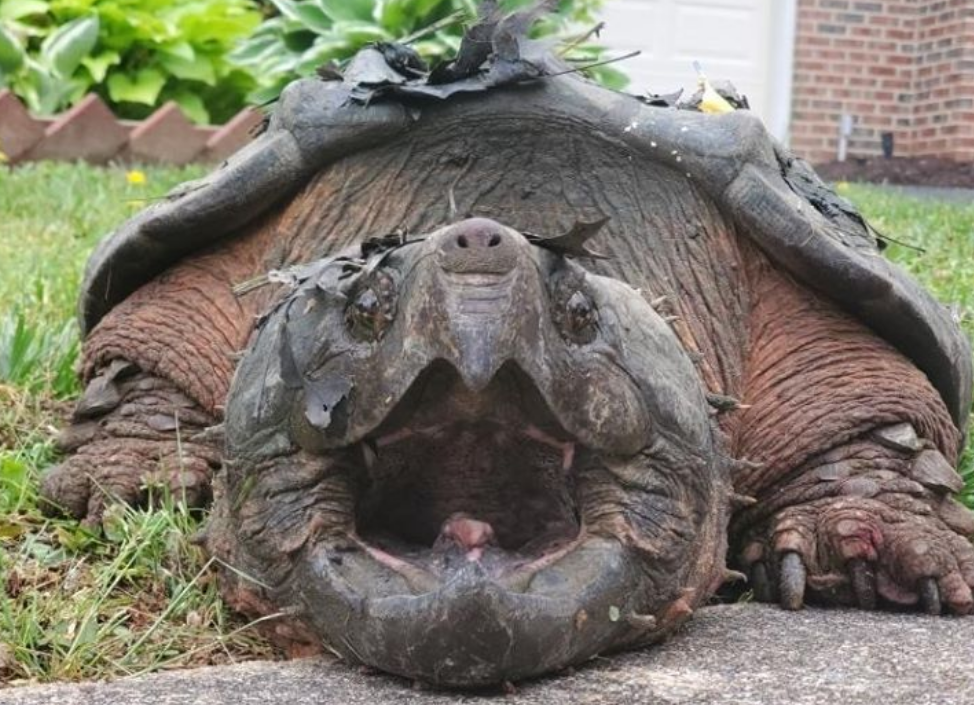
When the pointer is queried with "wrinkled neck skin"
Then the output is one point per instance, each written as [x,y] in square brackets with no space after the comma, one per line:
[467,459]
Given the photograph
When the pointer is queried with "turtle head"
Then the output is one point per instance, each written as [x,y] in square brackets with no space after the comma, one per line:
[466,459]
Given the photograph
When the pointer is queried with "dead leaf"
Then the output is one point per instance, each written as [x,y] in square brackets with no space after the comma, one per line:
[496,51]
[574,242]
[664,100]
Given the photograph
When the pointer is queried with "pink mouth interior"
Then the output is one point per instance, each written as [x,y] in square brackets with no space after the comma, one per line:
[458,476]
[471,535]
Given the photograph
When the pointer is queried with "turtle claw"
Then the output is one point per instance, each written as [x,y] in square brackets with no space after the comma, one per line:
[863,579]
[791,581]
[929,596]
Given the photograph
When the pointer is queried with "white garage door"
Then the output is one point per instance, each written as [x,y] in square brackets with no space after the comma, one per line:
[742,41]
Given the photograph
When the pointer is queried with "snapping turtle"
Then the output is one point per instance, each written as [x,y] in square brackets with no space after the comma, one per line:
[534,361]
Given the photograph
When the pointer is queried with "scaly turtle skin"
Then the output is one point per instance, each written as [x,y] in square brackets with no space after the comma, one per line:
[470,452]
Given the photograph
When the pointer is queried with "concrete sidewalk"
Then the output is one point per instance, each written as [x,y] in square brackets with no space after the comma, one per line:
[737,654]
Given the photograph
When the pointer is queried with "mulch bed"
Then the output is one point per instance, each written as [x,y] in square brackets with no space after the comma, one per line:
[903,171]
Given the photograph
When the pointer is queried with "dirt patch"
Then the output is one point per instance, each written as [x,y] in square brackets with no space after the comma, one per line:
[904,171]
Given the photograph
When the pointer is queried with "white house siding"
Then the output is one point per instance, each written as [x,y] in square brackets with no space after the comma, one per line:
[748,42]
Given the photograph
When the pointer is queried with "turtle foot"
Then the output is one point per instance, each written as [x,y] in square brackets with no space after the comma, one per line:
[893,551]
[133,438]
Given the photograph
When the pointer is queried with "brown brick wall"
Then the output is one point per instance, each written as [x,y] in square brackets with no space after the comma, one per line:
[900,66]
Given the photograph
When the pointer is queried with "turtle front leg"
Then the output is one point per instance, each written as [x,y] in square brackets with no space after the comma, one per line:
[853,466]
[132,434]
[157,369]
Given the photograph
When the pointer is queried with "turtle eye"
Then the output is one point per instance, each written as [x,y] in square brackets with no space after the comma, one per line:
[578,322]
[369,313]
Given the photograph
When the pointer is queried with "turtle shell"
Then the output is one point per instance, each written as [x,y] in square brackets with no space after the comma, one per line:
[772,196]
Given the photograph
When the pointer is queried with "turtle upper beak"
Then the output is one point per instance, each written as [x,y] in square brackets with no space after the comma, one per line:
[487,269]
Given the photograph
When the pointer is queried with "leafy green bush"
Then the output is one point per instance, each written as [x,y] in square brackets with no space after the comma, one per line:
[309,33]
[136,54]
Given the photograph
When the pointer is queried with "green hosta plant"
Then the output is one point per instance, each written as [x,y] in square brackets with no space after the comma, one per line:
[305,34]
[136,54]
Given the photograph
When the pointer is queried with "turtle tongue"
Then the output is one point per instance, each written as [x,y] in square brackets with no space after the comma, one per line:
[469,534]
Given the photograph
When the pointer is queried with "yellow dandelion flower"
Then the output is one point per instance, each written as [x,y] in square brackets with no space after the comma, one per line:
[135,177]
[842,187]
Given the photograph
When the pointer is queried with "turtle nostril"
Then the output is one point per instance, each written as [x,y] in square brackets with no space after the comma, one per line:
[477,245]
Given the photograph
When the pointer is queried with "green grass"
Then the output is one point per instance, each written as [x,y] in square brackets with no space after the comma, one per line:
[52,216]
[137,595]
[945,234]
[133,597]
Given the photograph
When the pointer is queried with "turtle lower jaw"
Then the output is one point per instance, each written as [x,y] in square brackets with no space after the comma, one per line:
[472,628]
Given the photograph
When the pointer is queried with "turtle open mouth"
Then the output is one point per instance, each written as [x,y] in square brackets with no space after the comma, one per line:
[456,476]
[465,474]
